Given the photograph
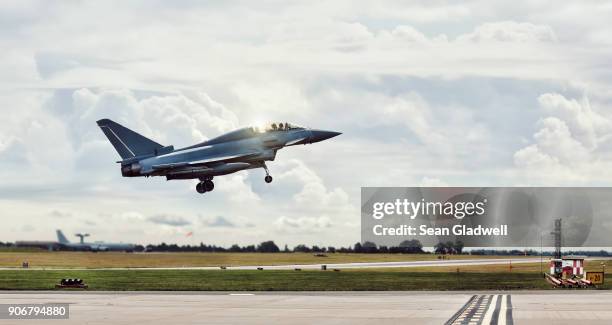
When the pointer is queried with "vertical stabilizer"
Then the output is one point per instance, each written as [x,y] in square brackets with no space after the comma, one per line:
[61,238]
[127,142]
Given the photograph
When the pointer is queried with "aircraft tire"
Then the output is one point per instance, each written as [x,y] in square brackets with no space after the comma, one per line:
[208,185]
[268,179]
[200,188]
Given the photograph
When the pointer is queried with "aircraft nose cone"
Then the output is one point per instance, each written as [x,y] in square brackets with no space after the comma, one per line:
[320,135]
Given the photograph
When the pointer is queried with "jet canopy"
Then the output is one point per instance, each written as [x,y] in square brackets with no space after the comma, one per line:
[276,126]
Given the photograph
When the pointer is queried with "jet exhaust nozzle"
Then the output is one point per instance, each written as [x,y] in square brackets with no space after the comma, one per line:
[131,170]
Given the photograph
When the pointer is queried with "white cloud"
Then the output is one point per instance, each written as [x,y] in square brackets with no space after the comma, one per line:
[412,111]
[169,220]
[432,182]
[131,216]
[12,150]
[313,195]
[415,11]
[169,119]
[265,99]
[510,31]
[60,214]
[566,145]
[219,221]
[237,189]
[554,144]
[531,156]
[586,125]
[302,224]
[404,33]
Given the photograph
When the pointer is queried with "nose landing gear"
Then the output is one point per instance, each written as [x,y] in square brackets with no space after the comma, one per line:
[268,178]
[205,185]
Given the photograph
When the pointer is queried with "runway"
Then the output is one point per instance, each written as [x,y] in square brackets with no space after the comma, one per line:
[396,264]
[522,307]
[433,263]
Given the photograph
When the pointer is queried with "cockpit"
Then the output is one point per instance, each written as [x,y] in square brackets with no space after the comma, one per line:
[276,126]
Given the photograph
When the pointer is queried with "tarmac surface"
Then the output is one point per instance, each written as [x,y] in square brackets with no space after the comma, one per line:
[516,307]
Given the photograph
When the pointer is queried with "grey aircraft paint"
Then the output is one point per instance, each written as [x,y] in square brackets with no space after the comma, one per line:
[245,148]
[95,246]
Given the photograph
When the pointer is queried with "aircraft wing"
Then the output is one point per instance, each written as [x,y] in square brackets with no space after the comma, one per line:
[201,162]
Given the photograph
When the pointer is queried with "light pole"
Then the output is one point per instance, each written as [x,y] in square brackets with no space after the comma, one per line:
[541,252]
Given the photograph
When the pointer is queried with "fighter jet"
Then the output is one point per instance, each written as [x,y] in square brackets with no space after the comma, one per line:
[241,149]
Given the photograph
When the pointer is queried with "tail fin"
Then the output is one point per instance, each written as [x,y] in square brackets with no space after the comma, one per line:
[61,238]
[127,142]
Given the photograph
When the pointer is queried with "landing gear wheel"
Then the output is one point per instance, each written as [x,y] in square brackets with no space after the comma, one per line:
[268,178]
[200,188]
[208,185]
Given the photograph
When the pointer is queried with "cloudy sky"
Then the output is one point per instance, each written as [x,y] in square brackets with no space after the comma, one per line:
[427,93]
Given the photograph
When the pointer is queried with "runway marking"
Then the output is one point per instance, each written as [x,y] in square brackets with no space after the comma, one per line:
[489,316]
[484,309]
[241,294]
[509,319]
[503,309]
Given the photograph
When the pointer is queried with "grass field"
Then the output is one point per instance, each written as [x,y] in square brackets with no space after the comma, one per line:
[469,277]
[175,280]
[117,259]
[590,265]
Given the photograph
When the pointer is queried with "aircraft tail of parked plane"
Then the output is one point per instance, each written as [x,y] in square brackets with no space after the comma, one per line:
[128,143]
[61,238]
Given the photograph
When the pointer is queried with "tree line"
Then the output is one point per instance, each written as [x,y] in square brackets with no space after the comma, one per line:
[406,247]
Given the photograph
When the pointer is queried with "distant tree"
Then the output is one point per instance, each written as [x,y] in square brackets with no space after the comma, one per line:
[449,247]
[440,248]
[411,246]
[268,247]
[286,249]
[331,249]
[249,249]
[369,247]
[357,248]
[235,248]
[458,247]
[317,249]
[301,249]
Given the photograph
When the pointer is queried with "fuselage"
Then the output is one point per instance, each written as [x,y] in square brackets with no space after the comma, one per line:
[244,148]
[99,246]
[252,150]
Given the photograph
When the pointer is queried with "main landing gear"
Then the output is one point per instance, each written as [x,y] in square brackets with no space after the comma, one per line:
[205,185]
[268,178]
